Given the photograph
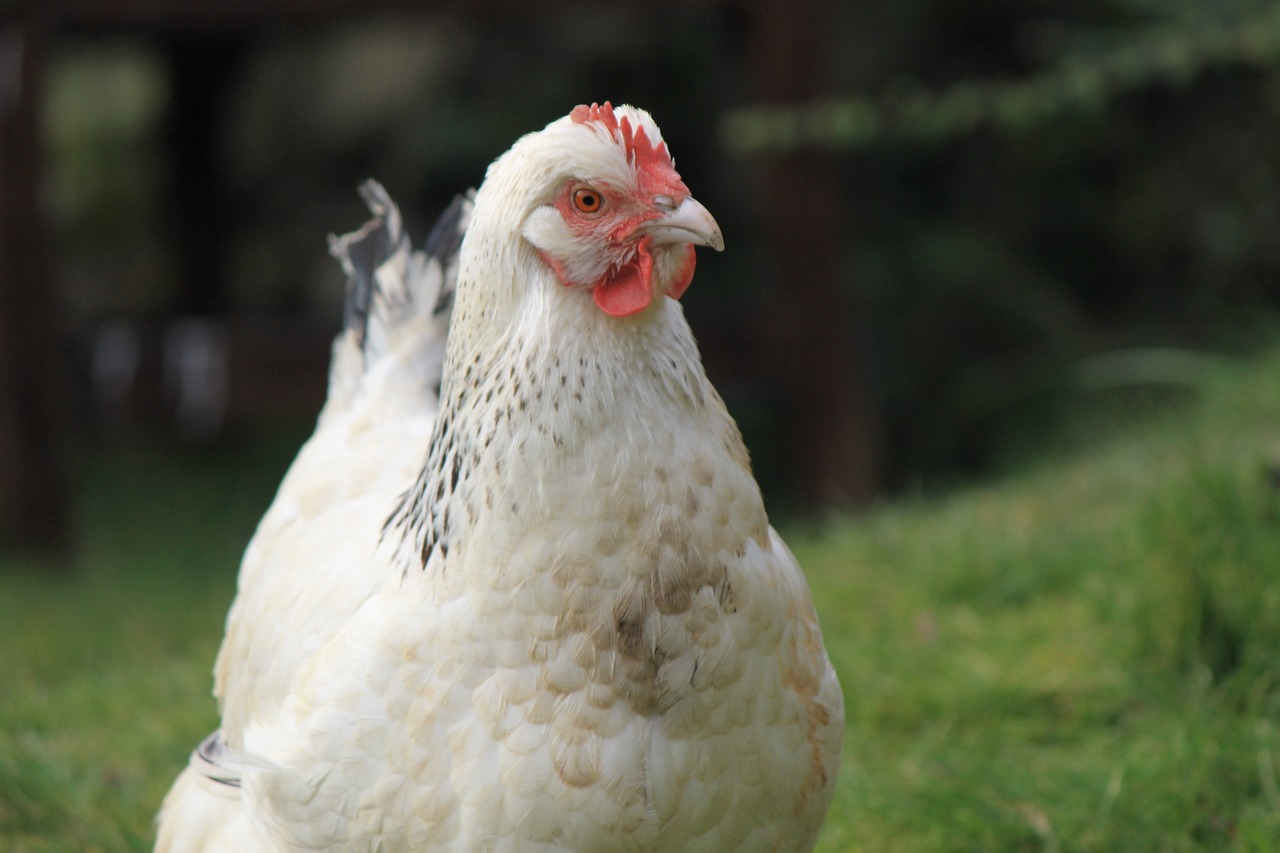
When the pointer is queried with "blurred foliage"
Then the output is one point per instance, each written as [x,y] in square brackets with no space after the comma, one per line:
[1093,69]
[104,178]
[1036,184]
[1028,184]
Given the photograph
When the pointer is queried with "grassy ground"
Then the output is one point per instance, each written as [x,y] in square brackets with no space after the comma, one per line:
[1084,655]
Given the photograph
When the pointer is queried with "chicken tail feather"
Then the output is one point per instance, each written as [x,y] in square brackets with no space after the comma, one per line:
[390,285]
[386,280]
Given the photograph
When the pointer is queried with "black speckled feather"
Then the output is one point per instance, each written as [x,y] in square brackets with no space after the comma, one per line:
[362,253]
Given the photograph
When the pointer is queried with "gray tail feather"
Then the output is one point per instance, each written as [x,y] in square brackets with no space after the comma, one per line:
[388,282]
[209,757]
[218,763]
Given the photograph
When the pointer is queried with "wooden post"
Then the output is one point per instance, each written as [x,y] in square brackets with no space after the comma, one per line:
[33,483]
[203,70]
[819,348]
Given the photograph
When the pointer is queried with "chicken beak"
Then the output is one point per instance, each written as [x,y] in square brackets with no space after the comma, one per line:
[689,223]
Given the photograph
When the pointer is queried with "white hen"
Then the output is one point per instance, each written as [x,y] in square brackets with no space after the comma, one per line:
[571,630]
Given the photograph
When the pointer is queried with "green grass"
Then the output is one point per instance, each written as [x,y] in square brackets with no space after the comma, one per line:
[1083,655]
[106,673]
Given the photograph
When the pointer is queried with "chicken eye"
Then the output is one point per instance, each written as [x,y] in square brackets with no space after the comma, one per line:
[587,200]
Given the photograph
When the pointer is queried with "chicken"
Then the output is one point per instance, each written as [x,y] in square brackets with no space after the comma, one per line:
[570,629]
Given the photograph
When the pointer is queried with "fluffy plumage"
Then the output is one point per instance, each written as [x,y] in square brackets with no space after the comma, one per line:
[572,628]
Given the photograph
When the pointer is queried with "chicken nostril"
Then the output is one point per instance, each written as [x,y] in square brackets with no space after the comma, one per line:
[665,202]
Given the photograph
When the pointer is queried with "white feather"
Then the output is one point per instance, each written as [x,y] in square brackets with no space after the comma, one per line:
[572,629]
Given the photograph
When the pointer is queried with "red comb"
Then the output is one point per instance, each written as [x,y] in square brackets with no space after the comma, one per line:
[603,114]
[641,151]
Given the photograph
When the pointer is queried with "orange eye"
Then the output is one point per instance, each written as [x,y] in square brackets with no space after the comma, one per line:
[587,199]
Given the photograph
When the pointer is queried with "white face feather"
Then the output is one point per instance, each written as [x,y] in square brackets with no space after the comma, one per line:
[537,166]
[618,161]
[530,237]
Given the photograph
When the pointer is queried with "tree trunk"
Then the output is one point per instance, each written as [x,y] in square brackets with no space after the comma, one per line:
[818,344]
[34,506]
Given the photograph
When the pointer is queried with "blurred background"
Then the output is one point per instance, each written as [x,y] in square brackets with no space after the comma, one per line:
[950,226]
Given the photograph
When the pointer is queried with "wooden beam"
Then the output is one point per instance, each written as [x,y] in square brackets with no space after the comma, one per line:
[33,483]
[244,14]
[213,14]
[204,69]
[817,343]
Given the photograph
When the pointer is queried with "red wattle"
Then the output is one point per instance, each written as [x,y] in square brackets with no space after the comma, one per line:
[622,294]
[629,288]
[685,276]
